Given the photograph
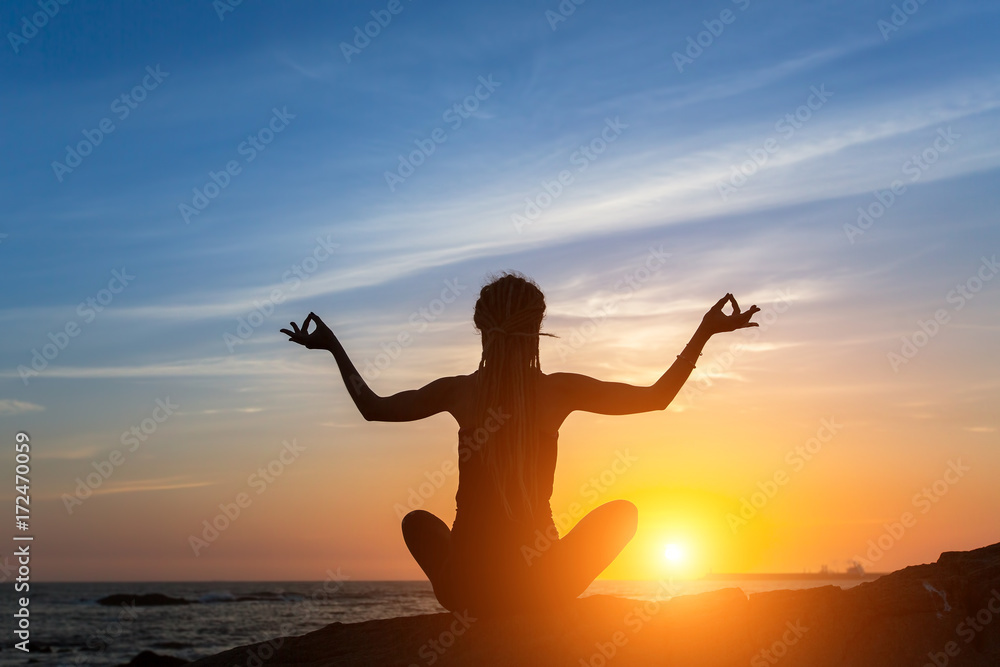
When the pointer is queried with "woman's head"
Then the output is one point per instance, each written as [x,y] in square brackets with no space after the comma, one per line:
[511,306]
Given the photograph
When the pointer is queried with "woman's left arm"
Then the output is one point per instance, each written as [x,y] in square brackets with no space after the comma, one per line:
[580,392]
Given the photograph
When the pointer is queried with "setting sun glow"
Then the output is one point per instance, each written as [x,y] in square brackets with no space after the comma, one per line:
[674,554]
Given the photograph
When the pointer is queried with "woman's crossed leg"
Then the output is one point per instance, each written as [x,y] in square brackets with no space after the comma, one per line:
[558,575]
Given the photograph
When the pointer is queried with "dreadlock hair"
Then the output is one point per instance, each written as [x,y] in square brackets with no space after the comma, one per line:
[508,315]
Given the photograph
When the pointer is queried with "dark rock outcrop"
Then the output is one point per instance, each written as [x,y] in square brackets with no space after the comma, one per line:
[946,613]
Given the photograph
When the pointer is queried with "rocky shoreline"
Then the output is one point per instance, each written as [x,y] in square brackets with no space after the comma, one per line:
[944,613]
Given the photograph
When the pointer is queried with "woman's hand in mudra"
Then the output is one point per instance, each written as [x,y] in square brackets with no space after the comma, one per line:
[321,338]
[716,321]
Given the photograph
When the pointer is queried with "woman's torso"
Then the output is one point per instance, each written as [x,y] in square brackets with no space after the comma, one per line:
[480,517]
[548,414]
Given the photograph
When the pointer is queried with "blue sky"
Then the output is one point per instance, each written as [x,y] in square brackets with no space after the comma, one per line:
[671,136]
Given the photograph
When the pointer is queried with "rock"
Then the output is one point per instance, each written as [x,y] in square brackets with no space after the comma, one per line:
[145,600]
[943,613]
[150,659]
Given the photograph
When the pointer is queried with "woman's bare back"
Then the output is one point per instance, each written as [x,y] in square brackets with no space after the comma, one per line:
[550,412]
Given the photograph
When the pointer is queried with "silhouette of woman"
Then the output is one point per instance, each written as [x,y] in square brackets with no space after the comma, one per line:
[503,553]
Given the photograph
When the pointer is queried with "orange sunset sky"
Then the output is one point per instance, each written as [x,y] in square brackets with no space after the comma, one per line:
[839,175]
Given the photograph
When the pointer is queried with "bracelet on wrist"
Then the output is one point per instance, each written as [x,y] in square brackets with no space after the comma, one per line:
[683,358]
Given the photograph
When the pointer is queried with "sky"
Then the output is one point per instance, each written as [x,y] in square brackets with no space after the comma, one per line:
[183,179]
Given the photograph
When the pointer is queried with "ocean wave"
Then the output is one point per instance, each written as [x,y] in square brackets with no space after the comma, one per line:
[216,596]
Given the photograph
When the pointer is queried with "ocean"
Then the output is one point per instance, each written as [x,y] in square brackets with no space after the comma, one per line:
[69,627]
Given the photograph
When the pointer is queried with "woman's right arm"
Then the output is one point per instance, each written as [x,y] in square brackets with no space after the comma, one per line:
[437,396]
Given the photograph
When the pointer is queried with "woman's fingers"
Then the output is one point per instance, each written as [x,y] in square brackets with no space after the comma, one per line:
[320,324]
[747,315]
[719,321]
[296,334]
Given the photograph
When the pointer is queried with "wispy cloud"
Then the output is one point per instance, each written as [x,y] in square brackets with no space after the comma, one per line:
[10,406]
[146,485]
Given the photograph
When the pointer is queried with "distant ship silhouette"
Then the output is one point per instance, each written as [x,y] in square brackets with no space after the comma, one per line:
[855,572]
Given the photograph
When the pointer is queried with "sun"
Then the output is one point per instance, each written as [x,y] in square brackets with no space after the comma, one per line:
[674,553]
